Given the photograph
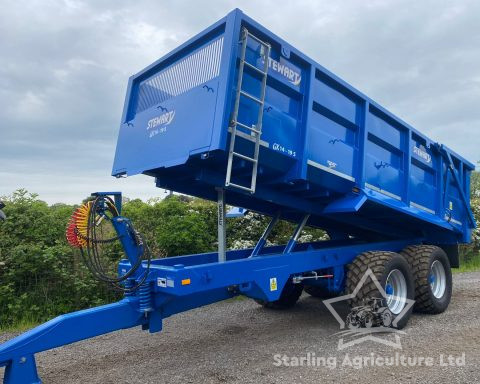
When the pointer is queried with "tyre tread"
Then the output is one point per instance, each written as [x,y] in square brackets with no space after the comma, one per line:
[375,260]
[418,256]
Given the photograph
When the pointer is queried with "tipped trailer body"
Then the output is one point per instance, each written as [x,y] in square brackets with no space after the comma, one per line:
[325,148]
[238,116]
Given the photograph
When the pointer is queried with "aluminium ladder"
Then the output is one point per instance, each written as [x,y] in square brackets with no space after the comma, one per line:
[255,129]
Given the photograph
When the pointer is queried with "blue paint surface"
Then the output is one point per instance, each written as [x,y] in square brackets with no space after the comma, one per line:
[323,141]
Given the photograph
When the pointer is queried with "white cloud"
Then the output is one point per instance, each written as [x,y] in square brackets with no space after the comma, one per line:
[65,66]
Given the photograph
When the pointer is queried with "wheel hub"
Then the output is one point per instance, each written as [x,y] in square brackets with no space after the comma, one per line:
[396,290]
[437,279]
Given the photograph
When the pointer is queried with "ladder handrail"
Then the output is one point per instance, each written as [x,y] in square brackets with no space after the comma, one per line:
[256,129]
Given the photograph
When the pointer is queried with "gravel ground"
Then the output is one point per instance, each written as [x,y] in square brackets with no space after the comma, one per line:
[235,342]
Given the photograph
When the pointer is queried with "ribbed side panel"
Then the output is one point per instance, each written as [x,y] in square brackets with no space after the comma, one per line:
[193,70]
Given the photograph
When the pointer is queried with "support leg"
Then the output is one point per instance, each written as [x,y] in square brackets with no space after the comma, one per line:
[222,226]
[22,370]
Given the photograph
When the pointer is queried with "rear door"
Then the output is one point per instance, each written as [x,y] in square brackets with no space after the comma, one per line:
[171,112]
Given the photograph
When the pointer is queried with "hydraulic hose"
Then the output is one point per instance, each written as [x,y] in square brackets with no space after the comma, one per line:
[82,233]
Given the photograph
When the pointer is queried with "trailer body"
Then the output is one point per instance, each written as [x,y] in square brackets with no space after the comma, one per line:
[325,148]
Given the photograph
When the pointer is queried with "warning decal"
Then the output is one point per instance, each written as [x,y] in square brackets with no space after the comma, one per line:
[273,284]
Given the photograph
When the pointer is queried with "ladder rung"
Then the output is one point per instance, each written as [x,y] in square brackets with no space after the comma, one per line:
[247,127]
[254,67]
[239,187]
[251,97]
[244,157]
[260,41]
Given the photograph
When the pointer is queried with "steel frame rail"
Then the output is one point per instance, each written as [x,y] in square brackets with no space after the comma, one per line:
[181,283]
[178,284]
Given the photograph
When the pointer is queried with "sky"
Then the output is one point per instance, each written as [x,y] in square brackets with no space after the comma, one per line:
[64,67]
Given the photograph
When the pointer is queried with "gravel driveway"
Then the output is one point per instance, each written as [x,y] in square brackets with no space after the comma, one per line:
[236,341]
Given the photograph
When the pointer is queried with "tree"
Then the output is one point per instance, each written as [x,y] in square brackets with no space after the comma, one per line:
[40,275]
[475,184]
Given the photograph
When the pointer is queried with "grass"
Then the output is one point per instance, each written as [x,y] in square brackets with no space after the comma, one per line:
[21,326]
[469,262]
[237,298]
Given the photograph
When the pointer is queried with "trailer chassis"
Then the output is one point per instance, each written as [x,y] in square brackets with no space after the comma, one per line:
[181,283]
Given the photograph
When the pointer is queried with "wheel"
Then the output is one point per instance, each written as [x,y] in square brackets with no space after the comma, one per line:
[392,272]
[367,320]
[433,277]
[318,292]
[352,322]
[290,295]
[387,317]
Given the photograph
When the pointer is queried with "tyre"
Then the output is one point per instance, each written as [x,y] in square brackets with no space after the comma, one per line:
[289,297]
[386,317]
[352,322]
[367,320]
[318,292]
[392,272]
[433,277]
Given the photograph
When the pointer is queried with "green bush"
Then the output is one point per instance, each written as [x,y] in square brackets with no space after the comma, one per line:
[41,276]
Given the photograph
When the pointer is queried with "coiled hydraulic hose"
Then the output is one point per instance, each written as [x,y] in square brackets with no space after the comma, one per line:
[82,233]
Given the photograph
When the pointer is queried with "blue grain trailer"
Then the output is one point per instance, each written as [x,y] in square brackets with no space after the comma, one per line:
[239,116]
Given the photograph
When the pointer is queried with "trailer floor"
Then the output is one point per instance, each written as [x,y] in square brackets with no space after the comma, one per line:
[235,342]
